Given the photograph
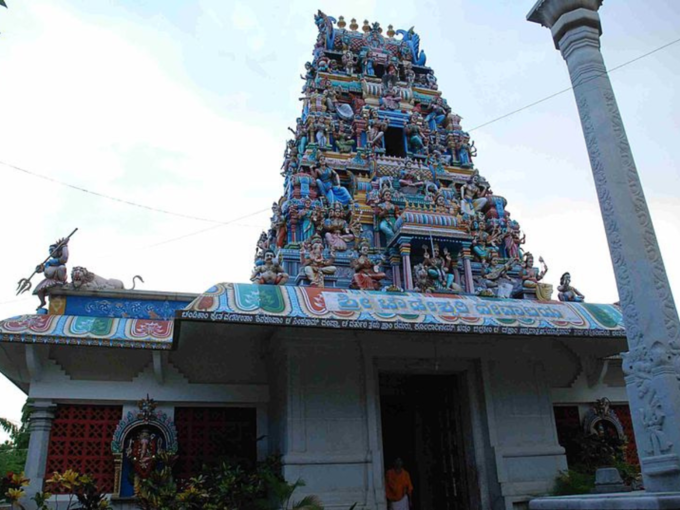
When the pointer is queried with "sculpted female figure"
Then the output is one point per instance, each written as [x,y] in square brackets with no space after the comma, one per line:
[337,228]
[387,214]
[367,274]
[567,292]
[473,195]
[414,133]
[315,266]
[531,277]
[328,182]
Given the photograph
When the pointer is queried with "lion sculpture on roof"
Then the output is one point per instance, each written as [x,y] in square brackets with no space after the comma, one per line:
[82,279]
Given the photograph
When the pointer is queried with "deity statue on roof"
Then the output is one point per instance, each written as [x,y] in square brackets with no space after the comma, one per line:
[270,272]
[367,273]
[531,278]
[54,269]
[567,292]
[314,265]
[494,280]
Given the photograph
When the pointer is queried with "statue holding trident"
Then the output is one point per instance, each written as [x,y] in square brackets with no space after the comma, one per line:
[54,268]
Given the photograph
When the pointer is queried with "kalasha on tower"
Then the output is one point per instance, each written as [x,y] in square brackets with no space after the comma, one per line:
[380,187]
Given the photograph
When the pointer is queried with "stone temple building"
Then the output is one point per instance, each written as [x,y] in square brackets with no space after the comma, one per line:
[393,312]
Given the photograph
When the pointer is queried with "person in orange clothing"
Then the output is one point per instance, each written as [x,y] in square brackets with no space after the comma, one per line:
[398,487]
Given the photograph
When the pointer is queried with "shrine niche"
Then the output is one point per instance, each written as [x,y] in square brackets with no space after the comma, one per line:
[601,420]
[138,443]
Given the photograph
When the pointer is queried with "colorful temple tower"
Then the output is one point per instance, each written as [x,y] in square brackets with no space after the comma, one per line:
[380,188]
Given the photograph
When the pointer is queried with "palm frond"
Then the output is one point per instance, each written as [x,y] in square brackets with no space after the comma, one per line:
[5,424]
[308,503]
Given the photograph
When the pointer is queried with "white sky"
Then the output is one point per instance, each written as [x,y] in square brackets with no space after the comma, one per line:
[184,106]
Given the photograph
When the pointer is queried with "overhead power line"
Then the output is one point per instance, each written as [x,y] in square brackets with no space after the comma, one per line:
[109,197]
[530,105]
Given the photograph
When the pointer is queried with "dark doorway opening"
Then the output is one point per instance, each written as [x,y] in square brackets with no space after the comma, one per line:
[394,142]
[421,424]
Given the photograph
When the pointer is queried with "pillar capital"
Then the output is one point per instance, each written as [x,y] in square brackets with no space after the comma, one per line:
[562,16]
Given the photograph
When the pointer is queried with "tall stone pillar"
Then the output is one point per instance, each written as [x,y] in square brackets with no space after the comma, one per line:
[652,364]
[40,425]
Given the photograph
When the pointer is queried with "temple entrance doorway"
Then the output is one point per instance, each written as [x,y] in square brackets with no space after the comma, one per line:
[421,424]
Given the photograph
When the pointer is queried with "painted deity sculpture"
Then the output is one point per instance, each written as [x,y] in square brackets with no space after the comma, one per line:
[473,195]
[414,133]
[344,138]
[315,265]
[386,214]
[54,269]
[409,73]
[328,182]
[337,228]
[349,61]
[409,181]
[494,280]
[367,274]
[143,451]
[270,271]
[567,292]
[390,95]
[531,278]
[438,113]
[436,266]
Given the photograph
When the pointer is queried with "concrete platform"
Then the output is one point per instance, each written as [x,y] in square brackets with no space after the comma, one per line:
[639,500]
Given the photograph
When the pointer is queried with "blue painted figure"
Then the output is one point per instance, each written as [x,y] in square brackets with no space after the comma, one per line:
[328,182]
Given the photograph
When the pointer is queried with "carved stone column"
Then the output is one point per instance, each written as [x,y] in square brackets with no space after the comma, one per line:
[653,363]
[40,425]
[467,269]
[405,252]
[395,260]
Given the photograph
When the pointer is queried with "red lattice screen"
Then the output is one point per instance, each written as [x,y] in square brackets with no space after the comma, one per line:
[81,440]
[568,424]
[207,435]
[623,414]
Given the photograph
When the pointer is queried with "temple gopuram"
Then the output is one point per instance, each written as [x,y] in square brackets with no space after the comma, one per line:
[393,312]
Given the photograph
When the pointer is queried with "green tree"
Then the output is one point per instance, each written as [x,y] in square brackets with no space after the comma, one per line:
[13,451]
